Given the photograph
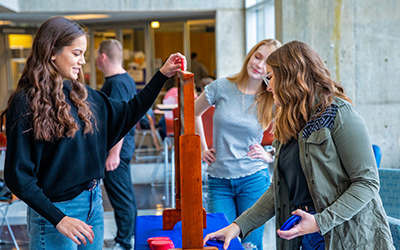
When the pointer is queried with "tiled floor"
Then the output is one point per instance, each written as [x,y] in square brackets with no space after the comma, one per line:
[149,200]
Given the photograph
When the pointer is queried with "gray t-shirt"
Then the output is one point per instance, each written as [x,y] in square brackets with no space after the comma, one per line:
[235,129]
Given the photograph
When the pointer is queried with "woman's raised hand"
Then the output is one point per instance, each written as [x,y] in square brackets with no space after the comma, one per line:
[173,64]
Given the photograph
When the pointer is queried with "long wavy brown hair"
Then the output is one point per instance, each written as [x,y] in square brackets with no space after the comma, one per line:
[302,84]
[43,84]
[264,100]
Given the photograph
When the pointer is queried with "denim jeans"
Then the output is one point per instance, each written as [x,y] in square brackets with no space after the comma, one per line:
[314,241]
[88,207]
[233,196]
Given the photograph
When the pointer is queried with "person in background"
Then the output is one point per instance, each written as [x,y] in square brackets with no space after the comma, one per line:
[198,69]
[205,81]
[324,170]
[238,164]
[59,131]
[120,86]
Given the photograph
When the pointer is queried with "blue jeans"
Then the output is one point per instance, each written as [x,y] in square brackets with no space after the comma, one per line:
[88,207]
[233,196]
[314,241]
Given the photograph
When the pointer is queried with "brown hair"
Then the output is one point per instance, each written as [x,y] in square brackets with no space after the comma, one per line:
[43,84]
[112,48]
[301,80]
[264,98]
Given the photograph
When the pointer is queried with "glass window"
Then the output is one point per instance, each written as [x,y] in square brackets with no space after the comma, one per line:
[260,21]
[20,46]
[134,55]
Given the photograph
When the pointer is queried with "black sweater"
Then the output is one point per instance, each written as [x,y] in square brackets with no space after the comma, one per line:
[41,172]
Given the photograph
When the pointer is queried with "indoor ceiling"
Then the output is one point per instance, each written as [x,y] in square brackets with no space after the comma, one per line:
[35,19]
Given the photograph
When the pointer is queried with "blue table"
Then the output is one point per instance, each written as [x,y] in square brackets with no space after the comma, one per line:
[151,226]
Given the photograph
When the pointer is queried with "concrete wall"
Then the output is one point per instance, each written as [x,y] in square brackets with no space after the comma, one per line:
[359,40]
[126,6]
[230,41]
[9,5]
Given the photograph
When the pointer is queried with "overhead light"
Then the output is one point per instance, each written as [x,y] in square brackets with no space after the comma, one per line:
[87,16]
[155,24]
[4,22]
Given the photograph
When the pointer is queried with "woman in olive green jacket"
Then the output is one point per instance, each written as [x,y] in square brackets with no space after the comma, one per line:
[324,170]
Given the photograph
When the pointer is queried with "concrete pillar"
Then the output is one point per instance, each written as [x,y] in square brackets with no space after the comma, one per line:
[230,41]
[358,41]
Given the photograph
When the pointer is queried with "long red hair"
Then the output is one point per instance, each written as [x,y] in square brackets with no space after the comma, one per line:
[264,99]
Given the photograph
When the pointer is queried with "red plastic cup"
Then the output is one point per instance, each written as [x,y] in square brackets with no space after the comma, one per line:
[162,244]
[149,240]
[161,238]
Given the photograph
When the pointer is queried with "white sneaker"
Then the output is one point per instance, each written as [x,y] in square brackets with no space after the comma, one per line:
[117,246]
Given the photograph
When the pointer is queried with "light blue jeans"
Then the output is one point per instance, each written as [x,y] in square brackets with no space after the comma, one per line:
[233,196]
[87,207]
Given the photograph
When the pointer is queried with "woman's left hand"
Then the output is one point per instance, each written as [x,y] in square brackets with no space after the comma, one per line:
[257,151]
[307,225]
[173,64]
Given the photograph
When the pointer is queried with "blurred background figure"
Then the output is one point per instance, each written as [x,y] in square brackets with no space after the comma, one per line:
[205,81]
[198,69]
[119,85]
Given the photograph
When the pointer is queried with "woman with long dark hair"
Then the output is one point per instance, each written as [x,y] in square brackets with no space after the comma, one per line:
[58,133]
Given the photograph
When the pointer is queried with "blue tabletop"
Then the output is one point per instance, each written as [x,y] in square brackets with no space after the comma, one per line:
[151,226]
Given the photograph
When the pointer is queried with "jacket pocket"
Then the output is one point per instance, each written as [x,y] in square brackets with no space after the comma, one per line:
[318,137]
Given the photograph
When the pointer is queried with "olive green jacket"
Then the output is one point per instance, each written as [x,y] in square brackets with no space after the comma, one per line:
[343,181]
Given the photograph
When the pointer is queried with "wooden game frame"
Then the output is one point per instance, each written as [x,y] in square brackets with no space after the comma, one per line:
[188,183]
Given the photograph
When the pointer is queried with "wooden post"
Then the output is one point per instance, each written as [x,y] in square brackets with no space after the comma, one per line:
[189,195]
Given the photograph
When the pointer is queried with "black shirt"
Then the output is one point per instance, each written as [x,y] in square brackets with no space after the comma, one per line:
[290,168]
[42,172]
[121,87]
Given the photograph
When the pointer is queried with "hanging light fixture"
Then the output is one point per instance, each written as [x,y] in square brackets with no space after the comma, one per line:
[155,24]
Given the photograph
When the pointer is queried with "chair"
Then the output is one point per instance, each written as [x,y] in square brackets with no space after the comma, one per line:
[167,147]
[4,206]
[3,140]
[268,137]
[207,119]
[142,153]
[378,154]
[6,200]
[388,191]
[266,142]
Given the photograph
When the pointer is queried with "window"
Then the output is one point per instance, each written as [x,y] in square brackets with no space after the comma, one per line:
[260,21]
[20,46]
